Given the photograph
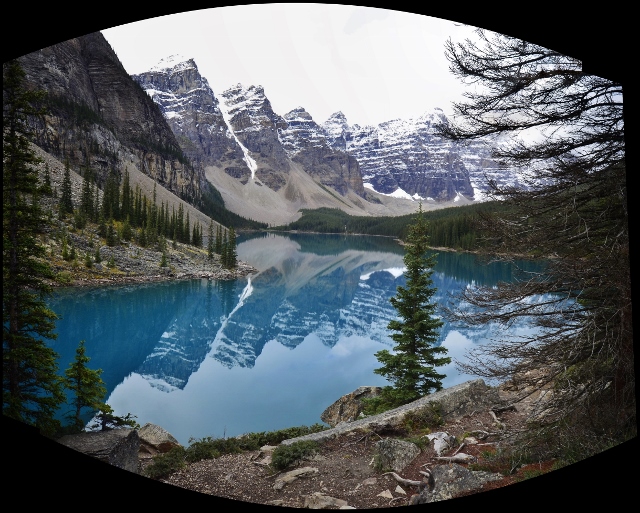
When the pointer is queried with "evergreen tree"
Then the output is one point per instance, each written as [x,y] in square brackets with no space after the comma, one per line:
[127,233]
[86,200]
[210,242]
[196,238]
[186,231]
[31,387]
[111,197]
[218,246]
[223,251]
[87,387]
[232,254]
[127,199]
[66,203]
[142,237]
[161,226]
[412,367]
[102,225]
[105,420]
[46,185]
[137,208]
[112,237]
[180,224]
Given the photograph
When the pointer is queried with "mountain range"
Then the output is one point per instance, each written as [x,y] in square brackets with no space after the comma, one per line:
[230,152]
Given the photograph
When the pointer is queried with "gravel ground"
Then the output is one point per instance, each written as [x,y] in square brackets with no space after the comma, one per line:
[343,469]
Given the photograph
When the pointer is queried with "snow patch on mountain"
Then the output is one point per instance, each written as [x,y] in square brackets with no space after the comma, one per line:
[251,163]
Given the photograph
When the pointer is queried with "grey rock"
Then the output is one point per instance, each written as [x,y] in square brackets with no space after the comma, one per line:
[318,500]
[292,475]
[449,481]
[349,407]
[117,447]
[441,441]
[155,439]
[395,454]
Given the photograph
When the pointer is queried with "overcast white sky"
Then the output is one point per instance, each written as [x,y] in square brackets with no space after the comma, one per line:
[372,64]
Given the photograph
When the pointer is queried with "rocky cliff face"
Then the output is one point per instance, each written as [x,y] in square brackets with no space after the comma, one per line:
[404,157]
[100,118]
[306,143]
[242,135]
[255,126]
[193,113]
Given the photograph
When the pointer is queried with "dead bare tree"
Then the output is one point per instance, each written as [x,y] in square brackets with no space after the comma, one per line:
[566,132]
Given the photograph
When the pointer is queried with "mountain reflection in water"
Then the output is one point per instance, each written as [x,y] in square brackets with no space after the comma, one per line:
[273,350]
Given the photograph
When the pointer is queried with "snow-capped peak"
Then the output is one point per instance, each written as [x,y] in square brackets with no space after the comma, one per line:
[172,62]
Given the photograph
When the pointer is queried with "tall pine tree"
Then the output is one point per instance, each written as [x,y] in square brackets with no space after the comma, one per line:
[87,387]
[232,253]
[210,242]
[31,387]
[412,367]
[66,203]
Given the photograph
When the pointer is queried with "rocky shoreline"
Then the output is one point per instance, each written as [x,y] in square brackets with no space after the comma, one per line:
[128,263]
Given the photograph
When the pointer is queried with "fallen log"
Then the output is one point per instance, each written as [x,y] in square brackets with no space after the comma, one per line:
[401,480]
[461,457]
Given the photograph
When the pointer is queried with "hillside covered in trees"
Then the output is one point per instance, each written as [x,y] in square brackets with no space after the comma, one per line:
[458,228]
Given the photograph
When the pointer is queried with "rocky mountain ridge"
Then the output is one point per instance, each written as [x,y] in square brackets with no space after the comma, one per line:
[398,160]
[232,151]
[100,119]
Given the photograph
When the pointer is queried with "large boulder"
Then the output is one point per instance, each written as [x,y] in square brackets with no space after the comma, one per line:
[349,407]
[155,440]
[117,447]
[318,500]
[449,481]
[395,454]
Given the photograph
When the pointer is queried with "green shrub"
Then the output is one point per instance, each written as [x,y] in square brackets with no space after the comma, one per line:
[421,441]
[387,400]
[286,455]
[275,437]
[63,277]
[209,448]
[424,419]
[379,466]
[167,463]
[253,441]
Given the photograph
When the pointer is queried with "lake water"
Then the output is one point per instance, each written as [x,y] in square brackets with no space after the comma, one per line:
[204,358]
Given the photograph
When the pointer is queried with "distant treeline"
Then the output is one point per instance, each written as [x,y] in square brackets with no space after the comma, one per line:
[454,227]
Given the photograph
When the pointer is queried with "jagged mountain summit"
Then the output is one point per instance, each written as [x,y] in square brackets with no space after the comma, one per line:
[406,158]
[306,143]
[193,113]
[263,162]
[263,165]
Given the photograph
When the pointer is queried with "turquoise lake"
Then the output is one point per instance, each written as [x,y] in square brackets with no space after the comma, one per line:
[269,351]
